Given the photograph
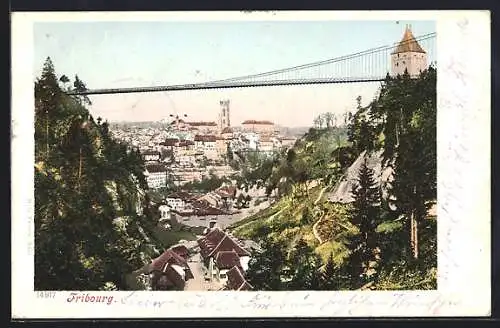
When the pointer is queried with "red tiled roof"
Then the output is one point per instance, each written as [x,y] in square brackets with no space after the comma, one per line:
[181,250]
[236,280]
[205,138]
[155,168]
[210,241]
[229,191]
[258,122]
[209,211]
[172,277]
[184,143]
[202,123]
[167,257]
[228,244]
[227,259]
[215,236]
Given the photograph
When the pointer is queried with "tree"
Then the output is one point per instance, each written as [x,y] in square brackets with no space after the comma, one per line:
[317,122]
[304,268]
[365,216]
[240,201]
[88,233]
[327,117]
[247,200]
[64,80]
[81,87]
[265,269]
[47,99]
[406,114]
[333,277]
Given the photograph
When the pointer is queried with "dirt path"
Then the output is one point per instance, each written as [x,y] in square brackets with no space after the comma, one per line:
[198,283]
[315,231]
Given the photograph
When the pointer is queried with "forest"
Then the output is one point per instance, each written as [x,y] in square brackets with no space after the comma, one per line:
[92,215]
[386,237]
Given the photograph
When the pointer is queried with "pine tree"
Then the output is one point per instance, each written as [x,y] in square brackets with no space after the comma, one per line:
[47,97]
[265,269]
[409,127]
[78,245]
[334,277]
[304,268]
[365,216]
[80,86]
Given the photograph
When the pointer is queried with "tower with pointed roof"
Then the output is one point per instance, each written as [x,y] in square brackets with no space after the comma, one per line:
[408,55]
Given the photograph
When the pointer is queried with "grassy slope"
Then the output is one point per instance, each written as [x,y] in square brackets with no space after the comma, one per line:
[292,218]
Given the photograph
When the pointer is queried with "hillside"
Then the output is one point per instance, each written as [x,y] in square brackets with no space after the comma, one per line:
[359,203]
[92,215]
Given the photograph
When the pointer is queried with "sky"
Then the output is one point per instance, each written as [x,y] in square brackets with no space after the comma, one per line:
[126,54]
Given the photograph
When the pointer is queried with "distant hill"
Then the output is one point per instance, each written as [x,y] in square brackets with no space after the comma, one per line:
[293,131]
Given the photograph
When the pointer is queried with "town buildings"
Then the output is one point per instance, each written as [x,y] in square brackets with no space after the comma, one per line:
[258,126]
[170,270]
[225,259]
[156,175]
[180,151]
[151,156]
[218,202]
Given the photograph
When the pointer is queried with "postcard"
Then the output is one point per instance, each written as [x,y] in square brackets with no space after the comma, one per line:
[250,164]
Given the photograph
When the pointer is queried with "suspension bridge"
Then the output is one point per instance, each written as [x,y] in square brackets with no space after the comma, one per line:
[371,65]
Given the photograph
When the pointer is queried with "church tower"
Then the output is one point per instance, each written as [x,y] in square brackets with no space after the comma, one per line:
[408,55]
[224,120]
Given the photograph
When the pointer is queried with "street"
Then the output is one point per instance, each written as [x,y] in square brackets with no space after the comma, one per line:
[198,283]
[223,221]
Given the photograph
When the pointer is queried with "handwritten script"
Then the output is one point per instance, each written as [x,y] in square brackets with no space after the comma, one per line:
[328,304]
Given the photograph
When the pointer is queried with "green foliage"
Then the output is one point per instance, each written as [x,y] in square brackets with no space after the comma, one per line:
[88,188]
[334,276]
[168,238]
[265,269]
[364,215]
[303,266]
[402,122]
[366,241]
[207,184]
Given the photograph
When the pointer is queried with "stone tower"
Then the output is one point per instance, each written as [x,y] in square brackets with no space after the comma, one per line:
[408,55]
[224,120]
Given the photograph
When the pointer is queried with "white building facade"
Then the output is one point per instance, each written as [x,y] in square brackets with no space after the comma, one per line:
[156,176]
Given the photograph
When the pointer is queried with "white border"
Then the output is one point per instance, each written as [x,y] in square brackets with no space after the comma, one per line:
[463,188]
